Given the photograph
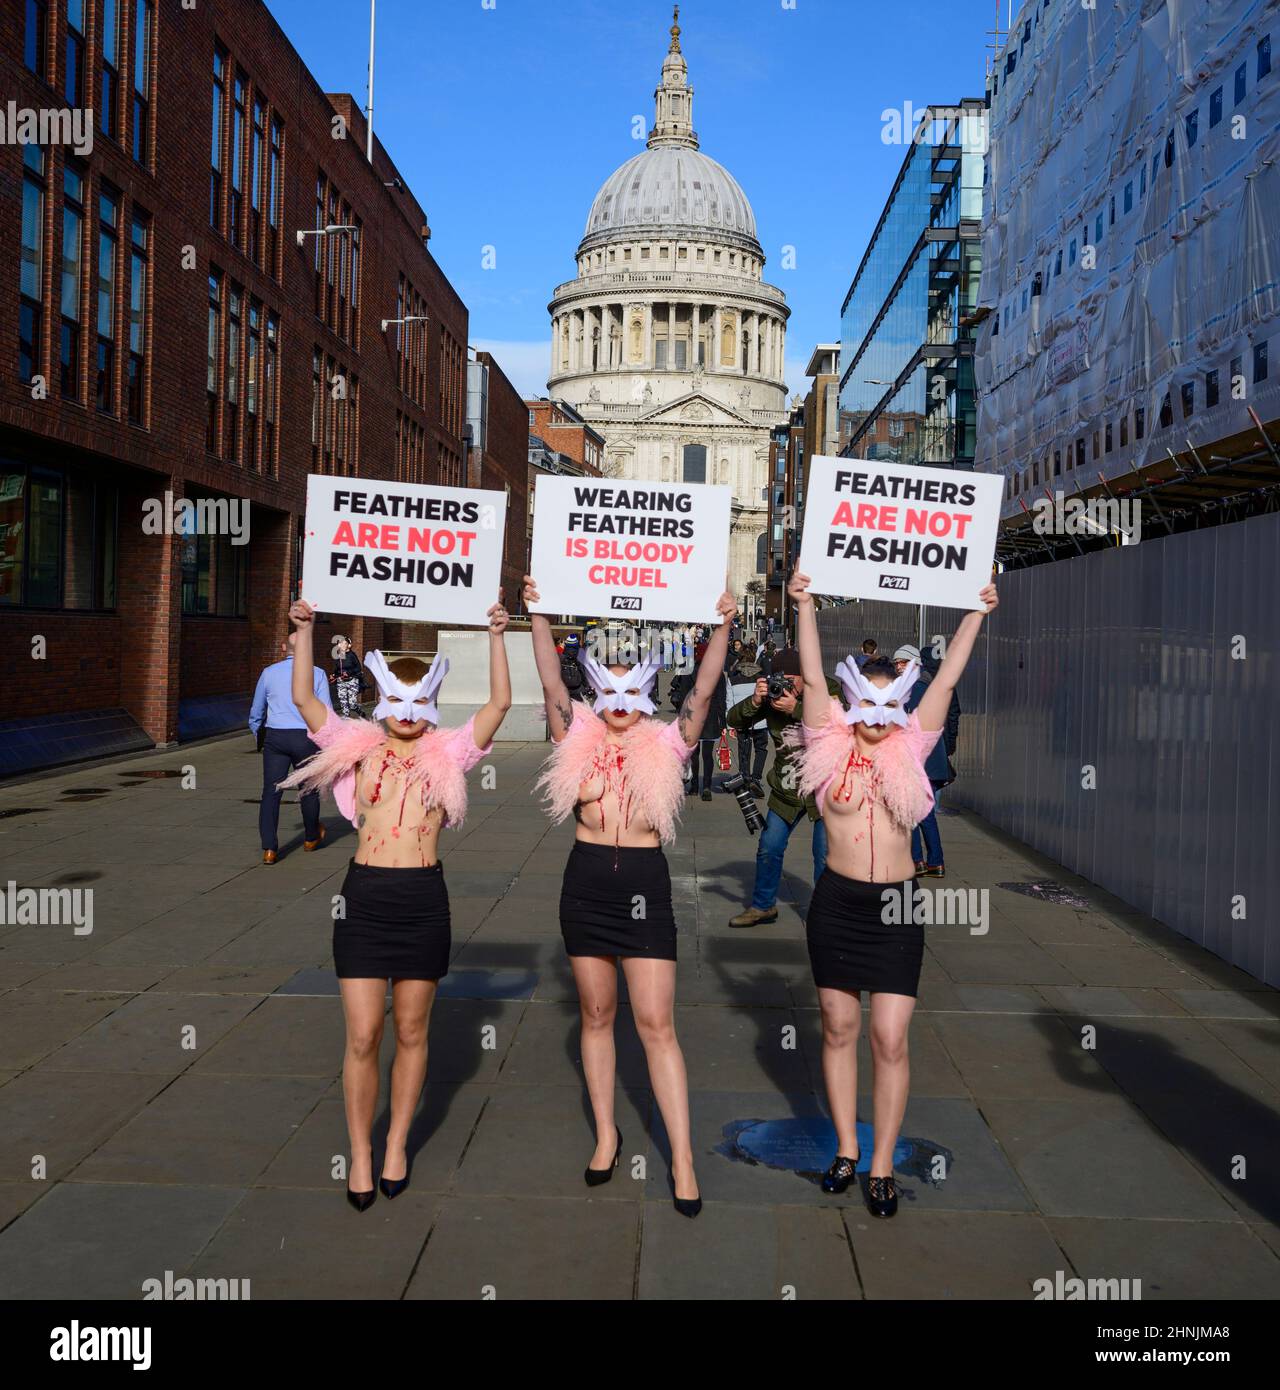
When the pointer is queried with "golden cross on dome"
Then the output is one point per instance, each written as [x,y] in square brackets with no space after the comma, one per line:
[675,30]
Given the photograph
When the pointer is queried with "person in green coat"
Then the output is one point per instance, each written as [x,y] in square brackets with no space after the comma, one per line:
[787,808]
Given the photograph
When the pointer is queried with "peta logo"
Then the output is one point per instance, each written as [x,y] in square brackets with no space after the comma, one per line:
[401,601]
[894,581]
[625,603]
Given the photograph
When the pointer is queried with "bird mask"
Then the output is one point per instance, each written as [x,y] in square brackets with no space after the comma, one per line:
[882,711]
[408,702]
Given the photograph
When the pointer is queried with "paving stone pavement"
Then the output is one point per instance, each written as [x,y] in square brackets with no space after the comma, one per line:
[1091,1092]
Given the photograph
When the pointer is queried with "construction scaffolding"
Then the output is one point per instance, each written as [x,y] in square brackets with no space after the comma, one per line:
[1131,259]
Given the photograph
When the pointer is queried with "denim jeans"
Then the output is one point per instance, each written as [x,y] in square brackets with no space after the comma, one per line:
[926,843]
[773,845]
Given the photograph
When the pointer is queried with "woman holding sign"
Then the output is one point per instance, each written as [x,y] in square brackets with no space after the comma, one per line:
[620,772]
[866,767]
[398,782]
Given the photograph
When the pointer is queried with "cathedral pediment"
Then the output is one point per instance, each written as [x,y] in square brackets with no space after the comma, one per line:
[694,408]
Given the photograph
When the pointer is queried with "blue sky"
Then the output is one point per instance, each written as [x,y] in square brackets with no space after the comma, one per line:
[505,117]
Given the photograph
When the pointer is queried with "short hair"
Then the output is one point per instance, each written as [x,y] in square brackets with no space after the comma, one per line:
[409,669]
[869,645]
[880,666]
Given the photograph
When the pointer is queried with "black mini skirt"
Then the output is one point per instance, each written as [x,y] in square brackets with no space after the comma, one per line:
[617,902]
[396,925]
[852,946]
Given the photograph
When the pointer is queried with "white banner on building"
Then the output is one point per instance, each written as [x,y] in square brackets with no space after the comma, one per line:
[642,551]
[899,532]
[402,550]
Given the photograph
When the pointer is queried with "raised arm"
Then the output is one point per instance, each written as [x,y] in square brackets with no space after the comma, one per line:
[489,717]
[310,706]
[693,712]
[816,707]
[554,691]
[933,706]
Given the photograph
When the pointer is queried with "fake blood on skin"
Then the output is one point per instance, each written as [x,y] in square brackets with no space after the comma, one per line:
[864,770]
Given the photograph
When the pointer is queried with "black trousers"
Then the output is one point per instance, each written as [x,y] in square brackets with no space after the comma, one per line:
[282,751]
[706,749]
[752,741]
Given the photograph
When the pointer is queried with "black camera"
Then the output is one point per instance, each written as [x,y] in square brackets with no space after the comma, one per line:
[737,784]
[779,686]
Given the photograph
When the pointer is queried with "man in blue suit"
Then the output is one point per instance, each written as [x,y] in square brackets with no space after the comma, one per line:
[284,744]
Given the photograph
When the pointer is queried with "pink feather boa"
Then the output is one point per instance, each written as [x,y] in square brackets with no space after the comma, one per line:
[902,787]
[652,756]
[440,760]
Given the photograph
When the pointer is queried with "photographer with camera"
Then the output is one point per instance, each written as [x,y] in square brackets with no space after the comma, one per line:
[776,698]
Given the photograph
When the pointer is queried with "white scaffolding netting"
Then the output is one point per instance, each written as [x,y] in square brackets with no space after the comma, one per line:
[1132,182]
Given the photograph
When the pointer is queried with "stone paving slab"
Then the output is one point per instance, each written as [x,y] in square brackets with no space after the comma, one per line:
[1085,1082]
[103,1240]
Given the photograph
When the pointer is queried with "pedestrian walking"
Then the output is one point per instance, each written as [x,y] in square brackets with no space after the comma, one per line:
[281,731]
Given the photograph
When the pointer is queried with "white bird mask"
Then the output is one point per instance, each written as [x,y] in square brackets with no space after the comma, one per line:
[858,688]
[612,691]
[409,702]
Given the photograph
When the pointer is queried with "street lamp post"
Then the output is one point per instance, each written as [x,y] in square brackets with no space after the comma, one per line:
[320,231]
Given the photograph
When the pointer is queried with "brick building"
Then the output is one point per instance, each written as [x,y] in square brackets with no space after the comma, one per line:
[566,432]
[498,420]
[166,339]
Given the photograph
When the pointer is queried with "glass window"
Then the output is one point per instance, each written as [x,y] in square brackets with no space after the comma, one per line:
[1242,82]
[217,137]
[139,259]
[108,237]
[1211,389]
[72,281]
[36,38]
[110,84]
[1192,124]
[73,70]
[1215,107]
[1188,399]
[237,157]
[214,356]
[1128,196]
[1259,362]
[142,34]
[31,264]
[231,416]
[1264,56]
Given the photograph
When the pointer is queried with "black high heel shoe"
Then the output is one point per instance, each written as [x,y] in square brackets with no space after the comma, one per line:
[882,1196]
[596,1176]
[841,1173]
[362,1201]
[393,1187]
[686,1206]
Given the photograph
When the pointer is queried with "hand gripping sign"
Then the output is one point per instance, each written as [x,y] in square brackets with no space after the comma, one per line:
[899,532]
[386,549]
[606,548]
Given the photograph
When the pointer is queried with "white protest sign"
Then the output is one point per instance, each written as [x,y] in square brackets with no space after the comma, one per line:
[402,550]
[899,532]
[604,548]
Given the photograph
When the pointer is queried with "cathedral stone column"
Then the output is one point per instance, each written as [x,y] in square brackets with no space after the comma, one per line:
[753,345]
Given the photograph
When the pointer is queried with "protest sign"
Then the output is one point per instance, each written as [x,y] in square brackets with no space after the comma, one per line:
[607,548]
[899,532]
[385,549]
